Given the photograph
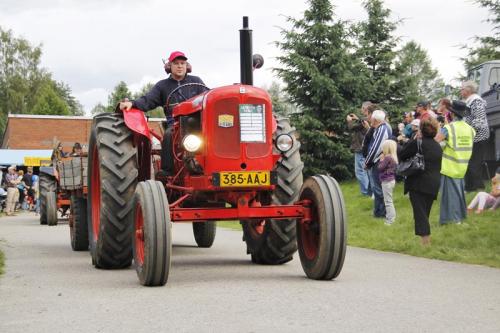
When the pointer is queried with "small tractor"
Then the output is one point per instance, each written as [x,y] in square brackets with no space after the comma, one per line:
[233,160]
[63,187]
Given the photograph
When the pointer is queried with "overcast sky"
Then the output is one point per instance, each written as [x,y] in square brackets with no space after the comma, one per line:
[92,45]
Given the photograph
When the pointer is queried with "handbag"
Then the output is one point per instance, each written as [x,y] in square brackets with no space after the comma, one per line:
[413,165]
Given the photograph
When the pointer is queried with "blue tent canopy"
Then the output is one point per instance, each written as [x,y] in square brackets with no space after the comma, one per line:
[24,157]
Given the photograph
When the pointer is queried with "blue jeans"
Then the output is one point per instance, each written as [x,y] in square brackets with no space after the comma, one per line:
[378,203]
[362,174]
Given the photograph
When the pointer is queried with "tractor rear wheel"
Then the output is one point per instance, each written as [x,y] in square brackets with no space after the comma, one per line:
[51,207]
[78,229]
[153,235]
[47,184]
[322,241]
[112,178]
[204,233]
[273,242]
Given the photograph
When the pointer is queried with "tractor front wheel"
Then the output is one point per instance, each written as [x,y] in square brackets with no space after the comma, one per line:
[152,239]
[204,233]
[322,240]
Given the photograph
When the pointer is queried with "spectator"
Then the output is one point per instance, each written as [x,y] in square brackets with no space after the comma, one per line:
[12,180]
[28,181]
[475,116]
[442,110]
[359,127]
[20,187]
[424,187]
[387,175]
[490,200]
[76,150]
[381,132]
[58,153]
[422,111]
[457,138]
[409,116]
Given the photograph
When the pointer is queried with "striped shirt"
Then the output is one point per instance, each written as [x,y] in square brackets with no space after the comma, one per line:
[476,117]
[380,134]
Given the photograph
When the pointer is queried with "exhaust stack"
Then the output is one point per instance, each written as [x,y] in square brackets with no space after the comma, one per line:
[246,66]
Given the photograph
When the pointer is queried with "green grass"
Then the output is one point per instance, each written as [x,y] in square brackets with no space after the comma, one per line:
[475,241]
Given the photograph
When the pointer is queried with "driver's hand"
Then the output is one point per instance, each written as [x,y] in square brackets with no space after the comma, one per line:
[125,105]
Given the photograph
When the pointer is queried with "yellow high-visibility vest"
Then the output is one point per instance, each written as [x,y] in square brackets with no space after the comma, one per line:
[458,149]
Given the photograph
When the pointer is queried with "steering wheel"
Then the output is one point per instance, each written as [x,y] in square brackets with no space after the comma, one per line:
[177,89]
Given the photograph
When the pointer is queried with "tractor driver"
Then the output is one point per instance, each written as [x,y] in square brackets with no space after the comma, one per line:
[178,68]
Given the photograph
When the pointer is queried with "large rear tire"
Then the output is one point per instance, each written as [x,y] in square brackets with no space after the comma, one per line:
[322,241]
[204,233]
[273,242]
[153,238]
[78,228]
[46,183]
[112,178]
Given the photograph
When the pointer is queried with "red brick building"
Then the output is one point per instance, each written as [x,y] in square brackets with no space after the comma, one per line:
[39,131]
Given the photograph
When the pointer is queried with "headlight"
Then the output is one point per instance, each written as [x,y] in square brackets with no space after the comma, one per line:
[284,142]
[191,143]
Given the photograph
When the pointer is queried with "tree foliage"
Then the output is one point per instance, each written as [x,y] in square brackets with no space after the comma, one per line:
[322,79]
[25,87]
[330,67]
[416,78]
[487,47]
[119,94]
[377,48]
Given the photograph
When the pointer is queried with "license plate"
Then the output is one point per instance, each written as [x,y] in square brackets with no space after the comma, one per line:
[244,179]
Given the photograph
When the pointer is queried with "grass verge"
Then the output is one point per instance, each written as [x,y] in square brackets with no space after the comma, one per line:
[475,241]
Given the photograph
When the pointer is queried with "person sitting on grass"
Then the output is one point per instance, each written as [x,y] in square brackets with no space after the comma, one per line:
[490,200]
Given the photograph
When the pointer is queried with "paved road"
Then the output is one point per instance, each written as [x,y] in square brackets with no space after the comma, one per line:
[49,288]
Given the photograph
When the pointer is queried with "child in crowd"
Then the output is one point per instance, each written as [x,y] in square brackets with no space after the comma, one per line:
[490,200]
[387,173]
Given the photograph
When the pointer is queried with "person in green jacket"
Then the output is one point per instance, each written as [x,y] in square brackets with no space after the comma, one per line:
[457,139]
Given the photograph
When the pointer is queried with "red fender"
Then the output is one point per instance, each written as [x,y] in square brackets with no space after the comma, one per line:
[136,121]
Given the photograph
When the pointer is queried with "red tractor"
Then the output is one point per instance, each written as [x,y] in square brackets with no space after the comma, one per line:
[233,160]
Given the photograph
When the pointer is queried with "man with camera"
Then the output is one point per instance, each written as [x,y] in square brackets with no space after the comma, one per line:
[359,128]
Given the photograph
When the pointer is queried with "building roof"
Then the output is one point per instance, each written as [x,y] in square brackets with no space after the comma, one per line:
[24,131]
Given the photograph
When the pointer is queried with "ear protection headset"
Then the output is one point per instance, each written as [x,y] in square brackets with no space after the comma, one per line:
[168,67]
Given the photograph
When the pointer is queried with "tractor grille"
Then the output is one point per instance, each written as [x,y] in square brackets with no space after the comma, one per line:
[227,139]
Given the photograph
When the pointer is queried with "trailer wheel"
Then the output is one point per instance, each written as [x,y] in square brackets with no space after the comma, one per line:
[152,240]
[78,229]
[322,241]
[112,178]
[51,207]
[46,183]
[273,242]
[204,233]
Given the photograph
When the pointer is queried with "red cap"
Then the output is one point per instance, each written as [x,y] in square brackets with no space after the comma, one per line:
[176,54]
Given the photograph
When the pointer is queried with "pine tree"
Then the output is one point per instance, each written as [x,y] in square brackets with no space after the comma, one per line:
[489,46]
[377,47]
[323,78]
[416,78]
[120,93]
